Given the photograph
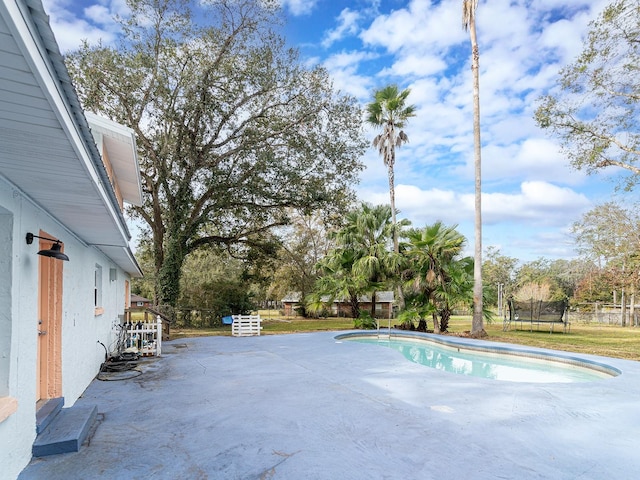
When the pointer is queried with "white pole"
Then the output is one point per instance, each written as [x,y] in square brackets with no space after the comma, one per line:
[159,337]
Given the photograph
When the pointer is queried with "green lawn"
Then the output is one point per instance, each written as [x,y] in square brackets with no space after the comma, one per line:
[594,339]
[604,340]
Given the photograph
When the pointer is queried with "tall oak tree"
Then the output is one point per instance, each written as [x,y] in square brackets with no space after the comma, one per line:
[232,129]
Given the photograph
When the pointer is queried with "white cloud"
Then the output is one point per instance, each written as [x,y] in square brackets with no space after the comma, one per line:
[94,23]
[347,25]
[421,25]
[535,159]
[414,65]
[299,7]
[348,60]
[343,67]
[535,203]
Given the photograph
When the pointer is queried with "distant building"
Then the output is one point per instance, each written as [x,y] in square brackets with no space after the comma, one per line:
[140,302]
[342,307]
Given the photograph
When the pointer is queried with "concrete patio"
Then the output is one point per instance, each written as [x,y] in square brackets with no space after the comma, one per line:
[306,406]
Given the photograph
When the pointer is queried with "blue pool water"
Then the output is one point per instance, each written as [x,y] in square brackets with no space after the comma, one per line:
[509,365]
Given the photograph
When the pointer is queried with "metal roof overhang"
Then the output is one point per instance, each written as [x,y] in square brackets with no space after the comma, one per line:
[46,147]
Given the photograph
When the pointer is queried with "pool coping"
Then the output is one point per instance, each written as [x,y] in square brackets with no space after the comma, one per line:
[484,347]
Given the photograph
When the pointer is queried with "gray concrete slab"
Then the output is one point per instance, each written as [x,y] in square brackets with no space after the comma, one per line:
[306,406]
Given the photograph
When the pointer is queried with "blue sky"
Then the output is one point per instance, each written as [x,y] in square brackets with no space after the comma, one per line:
[530,195]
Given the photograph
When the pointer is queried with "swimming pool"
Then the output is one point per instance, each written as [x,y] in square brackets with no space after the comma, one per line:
[490,361]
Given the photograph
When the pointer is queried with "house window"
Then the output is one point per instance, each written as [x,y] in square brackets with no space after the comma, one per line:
[97,290]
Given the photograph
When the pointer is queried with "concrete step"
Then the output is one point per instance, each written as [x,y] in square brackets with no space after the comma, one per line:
[66,432]
[47,412]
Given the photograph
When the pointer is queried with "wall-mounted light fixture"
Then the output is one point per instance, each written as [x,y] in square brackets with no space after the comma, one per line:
[55,251]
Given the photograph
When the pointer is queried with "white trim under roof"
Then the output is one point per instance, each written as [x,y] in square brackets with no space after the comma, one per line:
[120,142]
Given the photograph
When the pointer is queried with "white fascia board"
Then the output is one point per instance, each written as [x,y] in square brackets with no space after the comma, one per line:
[127,135]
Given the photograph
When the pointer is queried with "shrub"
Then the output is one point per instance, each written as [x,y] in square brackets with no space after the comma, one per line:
[365,321]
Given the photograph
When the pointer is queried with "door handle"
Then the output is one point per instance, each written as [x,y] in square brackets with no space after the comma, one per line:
[42,332]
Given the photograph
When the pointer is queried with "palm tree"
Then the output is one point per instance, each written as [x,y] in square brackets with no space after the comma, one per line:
[389,112]
[457,289]
[362,261]
[368,232]
[337,281]
[439,274]
[469,23]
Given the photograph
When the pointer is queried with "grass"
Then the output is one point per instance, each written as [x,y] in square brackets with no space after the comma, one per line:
[273,325]
[605,340]
[609,341]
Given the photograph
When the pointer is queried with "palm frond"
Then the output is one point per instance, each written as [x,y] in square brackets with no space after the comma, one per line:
[468,12]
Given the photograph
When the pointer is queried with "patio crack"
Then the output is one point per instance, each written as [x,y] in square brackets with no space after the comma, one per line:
[270,472]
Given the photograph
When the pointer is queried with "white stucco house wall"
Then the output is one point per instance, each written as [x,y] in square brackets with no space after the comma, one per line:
[64,175]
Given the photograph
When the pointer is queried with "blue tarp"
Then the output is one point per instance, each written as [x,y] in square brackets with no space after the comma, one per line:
[227,320]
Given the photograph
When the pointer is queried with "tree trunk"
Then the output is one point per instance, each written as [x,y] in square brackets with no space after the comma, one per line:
[396,246]
[355,306]
[373,305]
[445,315]
[392,198]
[477,327]
[168,281]
[436,324]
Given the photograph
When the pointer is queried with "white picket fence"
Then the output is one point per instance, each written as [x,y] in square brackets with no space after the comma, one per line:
[246,325]
[146,337]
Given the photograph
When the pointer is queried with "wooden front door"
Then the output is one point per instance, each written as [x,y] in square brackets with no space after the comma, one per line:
[49,361]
